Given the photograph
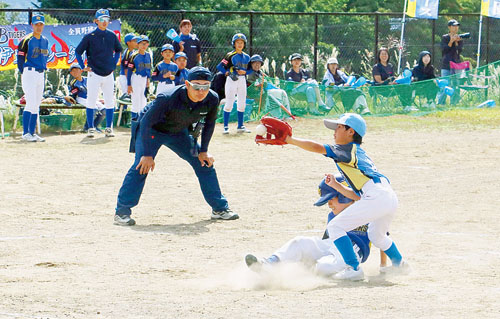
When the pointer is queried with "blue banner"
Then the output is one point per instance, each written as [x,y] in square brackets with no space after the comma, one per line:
[423,9]
[63,40]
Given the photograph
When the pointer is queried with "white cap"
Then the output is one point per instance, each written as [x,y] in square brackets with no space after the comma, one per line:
[332,61]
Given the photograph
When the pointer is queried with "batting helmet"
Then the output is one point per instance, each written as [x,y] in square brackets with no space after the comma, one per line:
[256,58]
[238,36]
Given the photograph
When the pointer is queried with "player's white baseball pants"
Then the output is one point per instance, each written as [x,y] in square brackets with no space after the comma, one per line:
[162,86]
[33,84]
[82,101]
[123,83]
[106,84]
[233,89]
[138,87]
[376,208]
[313,251]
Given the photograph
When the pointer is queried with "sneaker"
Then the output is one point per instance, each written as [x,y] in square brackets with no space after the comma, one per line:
[90,132]
[226,130]
[225,214]
[38,138]
[403,269]
[28,138]
[350,274]
[109,132]
[243,129]
[124,220]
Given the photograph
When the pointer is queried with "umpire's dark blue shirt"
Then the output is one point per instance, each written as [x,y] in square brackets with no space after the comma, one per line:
[100,47]
[172,112]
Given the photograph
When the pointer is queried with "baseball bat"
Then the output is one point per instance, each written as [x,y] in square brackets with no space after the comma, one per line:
[282,106]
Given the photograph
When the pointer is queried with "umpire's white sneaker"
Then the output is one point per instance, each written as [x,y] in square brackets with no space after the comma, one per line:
[28,137]
[124,220]
[350,274]
[38,138]
[403,269]
[90,132]
[109,132]
[226,214]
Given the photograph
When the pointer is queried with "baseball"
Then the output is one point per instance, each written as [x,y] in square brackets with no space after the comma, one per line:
[261,130]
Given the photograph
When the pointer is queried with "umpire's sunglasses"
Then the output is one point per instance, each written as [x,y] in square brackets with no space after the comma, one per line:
[199,87]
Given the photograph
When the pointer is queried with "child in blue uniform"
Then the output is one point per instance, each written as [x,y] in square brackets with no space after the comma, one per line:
[138,75]
[165,71]
[182,73]
[375,200]
[131,41]
[103,52]
[32,54]
[235,67]
[78,94]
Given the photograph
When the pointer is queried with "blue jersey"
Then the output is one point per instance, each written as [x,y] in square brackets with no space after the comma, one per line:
[103,51]
[125,60]
[139,64]
[354,165]
[163,68]
[233,62]
[181,76]
[33,52]
[78,88]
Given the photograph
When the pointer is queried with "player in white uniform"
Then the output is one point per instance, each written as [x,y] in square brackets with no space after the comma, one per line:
[32,56]
[131,42]
[316,251]
[165,71]
[138,75]
[235,67]
[103,52]
[375,200]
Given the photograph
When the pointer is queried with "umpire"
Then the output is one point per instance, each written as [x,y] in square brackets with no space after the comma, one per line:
[172,120]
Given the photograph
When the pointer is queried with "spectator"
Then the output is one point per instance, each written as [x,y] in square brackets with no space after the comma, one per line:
[189,44]
[271,94]
[451,47]
[424,70]
[182,73]
[351,98]
[307,85]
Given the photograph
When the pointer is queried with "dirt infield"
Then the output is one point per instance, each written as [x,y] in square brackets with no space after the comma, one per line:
[62,257]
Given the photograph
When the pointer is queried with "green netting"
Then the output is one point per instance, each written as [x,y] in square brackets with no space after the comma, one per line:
[470,89]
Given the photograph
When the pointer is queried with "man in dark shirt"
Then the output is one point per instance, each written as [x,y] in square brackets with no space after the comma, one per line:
[451,47]
[189,44]
[167,121]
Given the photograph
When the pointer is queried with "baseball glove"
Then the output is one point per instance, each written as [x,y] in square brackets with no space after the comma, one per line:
[277,131]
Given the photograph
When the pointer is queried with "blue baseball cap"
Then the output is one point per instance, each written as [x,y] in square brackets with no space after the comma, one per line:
[167,47]
[180,55]
[129,37]
[143,38]
[353,120]
[327,193]
[75,65]
[199,73]
[38,18]
[102,13]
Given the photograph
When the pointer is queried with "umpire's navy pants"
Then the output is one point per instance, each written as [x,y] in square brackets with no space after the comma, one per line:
[182,144]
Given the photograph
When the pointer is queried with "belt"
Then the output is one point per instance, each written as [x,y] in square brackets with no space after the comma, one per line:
[33,69]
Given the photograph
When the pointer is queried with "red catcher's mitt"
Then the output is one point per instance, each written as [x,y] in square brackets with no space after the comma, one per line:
[277,131]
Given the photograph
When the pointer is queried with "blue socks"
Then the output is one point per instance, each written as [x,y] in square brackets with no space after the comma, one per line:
[26,121]
[90,118]
[109,117]
[32,125]
[344,245]
[394,255]
[226,118]
[240,119]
